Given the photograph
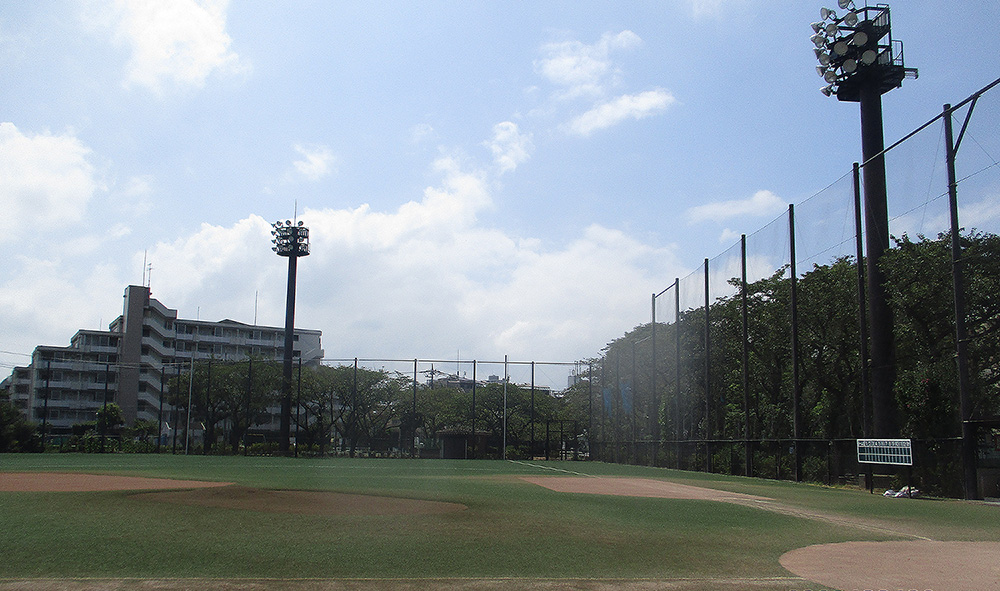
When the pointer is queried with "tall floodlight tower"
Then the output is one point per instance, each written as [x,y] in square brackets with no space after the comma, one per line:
[290,240]
[860,62]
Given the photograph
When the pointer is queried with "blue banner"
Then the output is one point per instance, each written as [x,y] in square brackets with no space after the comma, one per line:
[606,392]
[626,394]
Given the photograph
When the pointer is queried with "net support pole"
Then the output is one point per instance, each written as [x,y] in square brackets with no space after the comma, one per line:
[969,483]
[654,399]
[862,319]
[745,371]
[531,452]
[474,408]
[708,375]
[413,433]
[590,407]
[796,381]
[677,369]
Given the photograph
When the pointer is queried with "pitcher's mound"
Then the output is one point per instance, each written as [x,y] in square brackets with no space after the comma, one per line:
[301,502]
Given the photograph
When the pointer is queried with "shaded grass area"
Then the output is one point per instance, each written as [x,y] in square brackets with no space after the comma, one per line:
[511,528]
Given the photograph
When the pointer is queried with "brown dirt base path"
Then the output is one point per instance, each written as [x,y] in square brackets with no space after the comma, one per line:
[921,564]
[72,482]
[637,487]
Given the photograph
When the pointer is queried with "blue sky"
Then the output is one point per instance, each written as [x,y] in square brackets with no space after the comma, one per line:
[480,178]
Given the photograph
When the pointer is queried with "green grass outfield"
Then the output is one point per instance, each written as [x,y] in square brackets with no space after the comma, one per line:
[511,528]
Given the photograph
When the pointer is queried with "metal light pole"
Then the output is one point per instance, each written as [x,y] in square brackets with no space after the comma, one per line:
[292,241]
[860,62]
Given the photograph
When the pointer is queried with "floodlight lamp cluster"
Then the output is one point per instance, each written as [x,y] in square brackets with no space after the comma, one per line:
[842,46]
[855,46]
[290,239]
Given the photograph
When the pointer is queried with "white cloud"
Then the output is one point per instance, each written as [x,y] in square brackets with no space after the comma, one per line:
[979,214]
[317,161]
[44,303]
[713,8]
[424,280]
[422,132]
[134,198]
[542,309]
[45,179]
[509,146]
[625,107]
[215,260]
[728,236]
[581,69]
[138,187]
[174,41]
[762,203]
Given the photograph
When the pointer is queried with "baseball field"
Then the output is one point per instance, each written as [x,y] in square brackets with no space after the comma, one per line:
[166,522]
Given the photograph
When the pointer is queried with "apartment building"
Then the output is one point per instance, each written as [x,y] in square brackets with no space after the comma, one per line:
[129,363]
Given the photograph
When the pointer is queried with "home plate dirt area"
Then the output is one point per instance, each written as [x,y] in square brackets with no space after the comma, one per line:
[915,564]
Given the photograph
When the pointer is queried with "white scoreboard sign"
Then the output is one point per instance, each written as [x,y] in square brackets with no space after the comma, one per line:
[898,452]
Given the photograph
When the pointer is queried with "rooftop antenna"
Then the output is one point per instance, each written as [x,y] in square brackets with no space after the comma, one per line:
[255,307]
[144,267]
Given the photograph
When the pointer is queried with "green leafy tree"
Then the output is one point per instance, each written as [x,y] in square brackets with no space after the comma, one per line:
[16,433]
[109,418]
[921,295]
[443,408]
[318,403]
[245,390]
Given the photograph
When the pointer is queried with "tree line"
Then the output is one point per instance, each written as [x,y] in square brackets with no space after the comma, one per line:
[703,399]
[348,408]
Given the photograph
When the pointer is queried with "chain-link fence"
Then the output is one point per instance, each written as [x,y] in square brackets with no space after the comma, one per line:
[759,362]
